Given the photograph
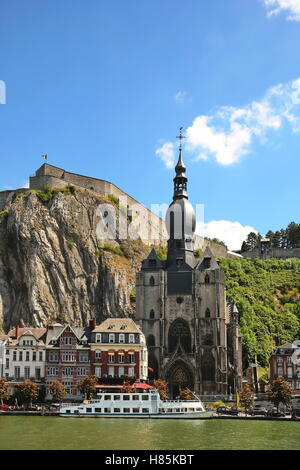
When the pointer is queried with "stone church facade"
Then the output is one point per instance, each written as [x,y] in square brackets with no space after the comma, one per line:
[192,333]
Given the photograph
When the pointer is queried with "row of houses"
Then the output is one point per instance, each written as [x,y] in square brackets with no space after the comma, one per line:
[285,363]
[113,351]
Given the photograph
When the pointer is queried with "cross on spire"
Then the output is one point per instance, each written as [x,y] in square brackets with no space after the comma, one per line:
[180,136]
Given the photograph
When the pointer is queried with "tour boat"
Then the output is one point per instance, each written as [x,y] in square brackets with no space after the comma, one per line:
[135,405]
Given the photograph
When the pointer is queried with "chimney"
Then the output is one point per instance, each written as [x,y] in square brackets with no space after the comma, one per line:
[17,331]
[92,324]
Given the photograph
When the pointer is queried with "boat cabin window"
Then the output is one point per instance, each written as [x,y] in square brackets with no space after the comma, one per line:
[117,410]
[135,397]
[98,410]
[145,410]
[126,397]
[135,410]
[126,410]
[107,397]
[88,410]
[117,397]
[145,397]
[106,410]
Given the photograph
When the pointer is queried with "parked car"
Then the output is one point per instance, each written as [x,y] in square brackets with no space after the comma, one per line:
[275,414]
[233,411]
[258,410]
[295,412]
[222,410]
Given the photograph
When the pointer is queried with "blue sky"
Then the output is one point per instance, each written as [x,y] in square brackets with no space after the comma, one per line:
[102,87]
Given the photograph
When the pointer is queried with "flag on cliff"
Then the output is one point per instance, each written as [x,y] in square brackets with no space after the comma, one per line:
[44,156]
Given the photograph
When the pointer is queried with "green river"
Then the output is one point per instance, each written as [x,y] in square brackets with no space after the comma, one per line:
[45,433]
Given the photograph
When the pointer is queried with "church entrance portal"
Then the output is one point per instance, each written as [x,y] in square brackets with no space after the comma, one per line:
[179,377]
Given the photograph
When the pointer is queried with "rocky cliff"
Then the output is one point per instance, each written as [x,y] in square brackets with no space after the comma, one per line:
[54,267]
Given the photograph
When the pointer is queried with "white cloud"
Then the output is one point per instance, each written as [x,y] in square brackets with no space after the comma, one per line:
[167,154]
[181,96]
[228,132]
[291,7]
[231,233]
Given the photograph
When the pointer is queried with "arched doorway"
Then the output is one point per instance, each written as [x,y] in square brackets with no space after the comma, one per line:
[179,377]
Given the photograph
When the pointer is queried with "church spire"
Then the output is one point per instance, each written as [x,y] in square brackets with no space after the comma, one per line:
[180,180]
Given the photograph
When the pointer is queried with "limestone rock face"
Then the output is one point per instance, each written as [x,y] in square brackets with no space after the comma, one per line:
[54,267]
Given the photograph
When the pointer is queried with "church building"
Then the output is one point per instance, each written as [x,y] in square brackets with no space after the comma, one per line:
[192,333]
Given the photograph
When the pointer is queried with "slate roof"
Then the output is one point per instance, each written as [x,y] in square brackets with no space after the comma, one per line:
[118,325]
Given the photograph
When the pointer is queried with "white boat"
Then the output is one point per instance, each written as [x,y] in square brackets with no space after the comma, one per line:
[135,405]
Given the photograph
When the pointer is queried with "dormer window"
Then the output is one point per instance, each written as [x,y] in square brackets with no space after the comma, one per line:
[111,338]
[98,338]
[179,261]
[121,338]
[131,338]
[206,263]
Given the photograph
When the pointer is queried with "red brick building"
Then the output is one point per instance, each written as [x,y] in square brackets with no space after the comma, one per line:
[285,363]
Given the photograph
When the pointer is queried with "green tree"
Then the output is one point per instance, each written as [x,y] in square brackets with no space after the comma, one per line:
[57,390]
[4,394]
[280,392]
[87,386]
[127,387]
[26,392]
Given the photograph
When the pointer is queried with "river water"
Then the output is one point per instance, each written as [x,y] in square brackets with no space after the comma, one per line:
[43,433]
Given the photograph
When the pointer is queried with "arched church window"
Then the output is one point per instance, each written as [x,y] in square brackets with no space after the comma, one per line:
[152,281]
[206,280]
[179,333]
[208,366]
[207,313]
[151,340]
[152,314]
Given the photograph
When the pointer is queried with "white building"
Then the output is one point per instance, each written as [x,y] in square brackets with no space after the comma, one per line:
[25,354]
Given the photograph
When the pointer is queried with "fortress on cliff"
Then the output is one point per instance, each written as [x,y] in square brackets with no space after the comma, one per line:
[49,175]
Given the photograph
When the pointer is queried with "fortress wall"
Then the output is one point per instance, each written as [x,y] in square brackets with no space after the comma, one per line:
[273,253]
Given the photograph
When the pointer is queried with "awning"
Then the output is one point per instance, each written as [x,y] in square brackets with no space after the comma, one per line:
[141,385]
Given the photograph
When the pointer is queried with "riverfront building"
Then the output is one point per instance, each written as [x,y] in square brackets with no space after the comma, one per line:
[285,363]
[118,350]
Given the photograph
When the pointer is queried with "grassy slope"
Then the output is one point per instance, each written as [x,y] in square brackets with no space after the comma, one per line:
[267,294]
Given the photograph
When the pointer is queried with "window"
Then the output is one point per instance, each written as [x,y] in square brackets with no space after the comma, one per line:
[53,356]
[37,373]
[121,358]
[34,355]
[17,373]
[145,410]
[26,373]
[111,357]
[131,357]
[14,355]
[280,372]
[121,338]
[68,340]
[7,363]
[131,338]
[98,355]
[107,397]
[290,372]
[98,337]
[207,313]
[126,410]
[131,371]
[66,371]
[121,371]
[41,356]
[111,337]
[117,397]
[52,371]
[152,281]
[68,356]
[152,315]
[98,372]
[111,371]
[145,397]
[82,371]
[20,355]
[206,279]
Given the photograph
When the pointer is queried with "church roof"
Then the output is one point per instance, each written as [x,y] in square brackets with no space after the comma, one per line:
[152,261]
[208,261]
